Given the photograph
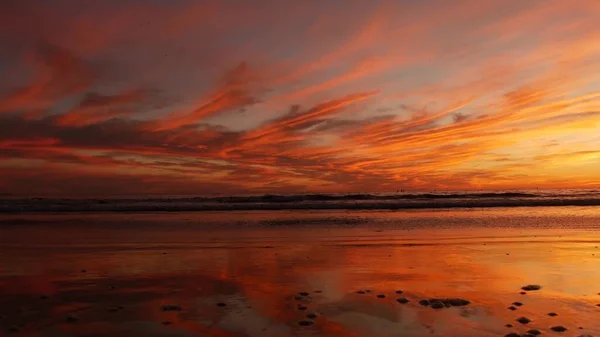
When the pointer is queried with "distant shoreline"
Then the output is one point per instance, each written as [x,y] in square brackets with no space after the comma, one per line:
[299,202]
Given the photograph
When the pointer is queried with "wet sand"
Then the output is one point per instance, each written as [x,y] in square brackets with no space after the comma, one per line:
[301,273]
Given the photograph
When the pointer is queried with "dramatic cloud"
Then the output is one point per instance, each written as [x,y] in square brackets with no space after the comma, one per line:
[227,97]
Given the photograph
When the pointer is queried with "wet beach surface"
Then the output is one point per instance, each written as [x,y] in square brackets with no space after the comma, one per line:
[422,273]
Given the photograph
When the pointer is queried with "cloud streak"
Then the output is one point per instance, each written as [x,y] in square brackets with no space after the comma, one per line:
[190,98]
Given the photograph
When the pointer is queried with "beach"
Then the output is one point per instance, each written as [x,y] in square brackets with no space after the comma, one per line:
[301,273]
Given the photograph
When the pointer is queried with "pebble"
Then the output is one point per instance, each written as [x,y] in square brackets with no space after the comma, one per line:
[360,292]
[402,300]
[305,323]
[399,292]
[312,315]
[170,307]
[509,325]
[437,304]
[523,293]
[83,271]
[518,304]
[512,334]
[303,293]
[424,302]
[534,332]
[531,287]
[381,296]
[523,320]
[221,304]
[552,314]
[558,328]
[512,308]
[301,307]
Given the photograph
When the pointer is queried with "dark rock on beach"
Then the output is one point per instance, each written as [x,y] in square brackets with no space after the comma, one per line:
[523,293]
[381,296]
[221,304]
[531,287]
[302,308]
[552,314]
[518,304]
[512,308]
[360,292]
[558,328]
[509,325]
[170,307]
[312,315]
[399,292]
[512,334]
[305,323]
[523,320]
[437,304]
[424,303]
[534,332]
[72,319]
[402,300]
[166,322]
[303,293]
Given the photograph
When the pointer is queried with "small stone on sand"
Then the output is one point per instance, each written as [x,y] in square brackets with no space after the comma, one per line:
[221,304]
[83,270]
[523,320]
[301,307]
[399,292]
[534,332]
[456,302]
[512,308]
[312,315]
[305,323]
[170,307]
[381,296]
[166,323]
[303,293]
[402,300]
[360,292]
[523,293]
[512,334]
[531,287]
[437,304]
[558,328]
[552,314]
[509,325]
[518,304]
[424,302]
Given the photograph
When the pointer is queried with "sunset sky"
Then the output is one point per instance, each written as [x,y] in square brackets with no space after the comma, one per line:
[151,97]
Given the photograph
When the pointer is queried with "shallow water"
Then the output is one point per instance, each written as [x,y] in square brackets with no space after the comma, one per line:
[113,272]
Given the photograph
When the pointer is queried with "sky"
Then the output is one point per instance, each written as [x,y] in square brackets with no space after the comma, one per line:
[150,97]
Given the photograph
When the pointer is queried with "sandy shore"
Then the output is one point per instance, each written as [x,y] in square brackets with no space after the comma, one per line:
[259,274]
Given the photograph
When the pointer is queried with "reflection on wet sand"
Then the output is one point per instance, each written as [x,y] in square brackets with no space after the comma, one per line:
[302,282]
